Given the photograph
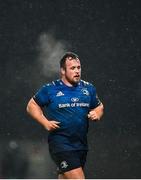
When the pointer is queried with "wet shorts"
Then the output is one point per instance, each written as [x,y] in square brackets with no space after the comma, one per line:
[68,160]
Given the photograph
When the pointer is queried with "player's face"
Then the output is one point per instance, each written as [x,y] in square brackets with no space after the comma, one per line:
[72,73]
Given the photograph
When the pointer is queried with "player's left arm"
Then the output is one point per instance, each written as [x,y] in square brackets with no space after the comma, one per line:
[96,113]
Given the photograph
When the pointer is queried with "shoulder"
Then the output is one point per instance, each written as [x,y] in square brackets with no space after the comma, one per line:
[52,85]
[86,84]
[88,87]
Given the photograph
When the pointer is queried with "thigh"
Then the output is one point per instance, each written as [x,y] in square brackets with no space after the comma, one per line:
[74,174]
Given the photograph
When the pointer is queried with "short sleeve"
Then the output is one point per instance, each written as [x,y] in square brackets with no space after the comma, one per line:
[95,101]
[41,97]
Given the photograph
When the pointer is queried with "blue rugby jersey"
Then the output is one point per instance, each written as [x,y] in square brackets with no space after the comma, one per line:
[70,107]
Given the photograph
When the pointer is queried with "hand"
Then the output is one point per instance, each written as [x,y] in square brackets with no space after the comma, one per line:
[93,115]
[52,125]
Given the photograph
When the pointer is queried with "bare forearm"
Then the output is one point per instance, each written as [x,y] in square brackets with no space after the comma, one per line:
[96,113]
[99,110]
[36,112]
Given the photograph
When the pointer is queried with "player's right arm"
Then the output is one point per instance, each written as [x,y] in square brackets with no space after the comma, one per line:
[36,112]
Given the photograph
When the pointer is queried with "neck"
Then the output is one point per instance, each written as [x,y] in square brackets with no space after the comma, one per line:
[67,83]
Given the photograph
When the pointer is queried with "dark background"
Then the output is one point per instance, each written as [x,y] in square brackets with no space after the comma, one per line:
[106,34]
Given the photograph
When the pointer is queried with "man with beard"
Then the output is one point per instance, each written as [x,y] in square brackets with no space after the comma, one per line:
[64,107]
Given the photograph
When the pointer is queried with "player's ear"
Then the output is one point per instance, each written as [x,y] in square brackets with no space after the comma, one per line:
[62,71]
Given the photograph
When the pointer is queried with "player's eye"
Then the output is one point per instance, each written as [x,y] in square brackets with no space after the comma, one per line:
[73,67]
[79,67]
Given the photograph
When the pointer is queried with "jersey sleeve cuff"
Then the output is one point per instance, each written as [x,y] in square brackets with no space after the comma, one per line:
[37,101]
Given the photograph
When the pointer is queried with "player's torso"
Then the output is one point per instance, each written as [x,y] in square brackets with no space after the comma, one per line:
[69,106]
[63,98]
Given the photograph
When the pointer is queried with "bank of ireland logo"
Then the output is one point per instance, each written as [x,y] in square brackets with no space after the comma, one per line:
[64,164]
[85,91]
[74,99]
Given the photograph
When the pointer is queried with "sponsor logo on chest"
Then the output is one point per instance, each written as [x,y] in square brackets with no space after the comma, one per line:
[59,94]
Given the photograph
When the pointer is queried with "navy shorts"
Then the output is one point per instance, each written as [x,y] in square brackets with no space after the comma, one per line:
[68,160]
